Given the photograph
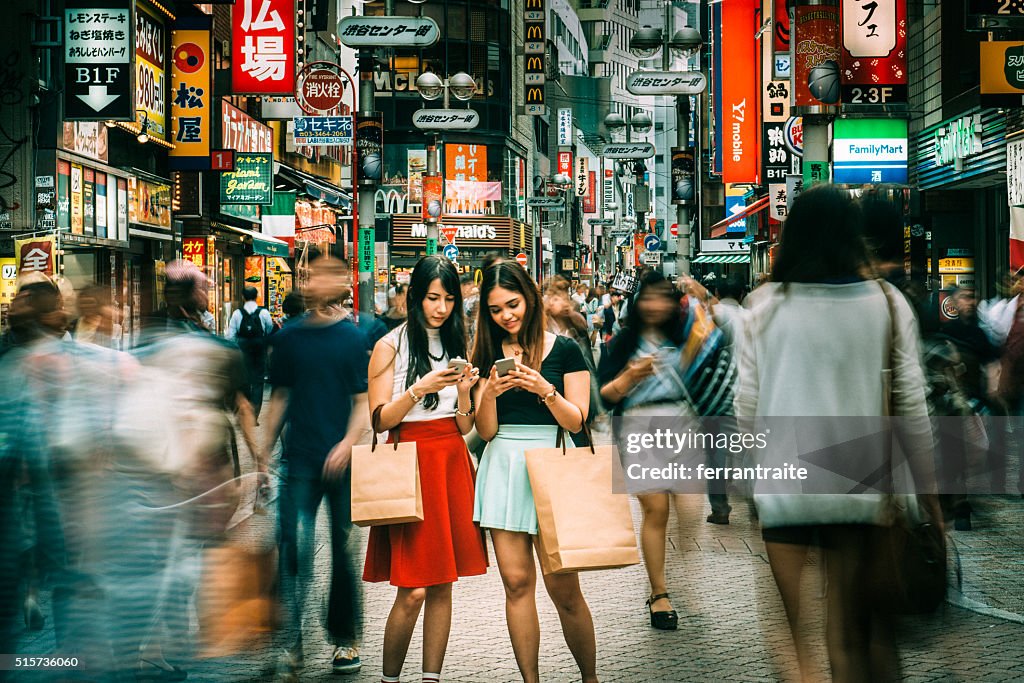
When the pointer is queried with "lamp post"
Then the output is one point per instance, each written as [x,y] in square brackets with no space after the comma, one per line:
[647,43]
[641,124]
[431,87]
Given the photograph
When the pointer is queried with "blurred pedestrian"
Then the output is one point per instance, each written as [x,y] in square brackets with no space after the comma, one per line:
[517,410]
[397,311]
[417,394]
[250,327]
[97,318]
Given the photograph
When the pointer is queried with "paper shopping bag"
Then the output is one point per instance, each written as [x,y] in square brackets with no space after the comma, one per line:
[386,484]
[582,524]
[236,602]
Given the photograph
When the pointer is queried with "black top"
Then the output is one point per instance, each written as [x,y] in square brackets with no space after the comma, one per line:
[519,407]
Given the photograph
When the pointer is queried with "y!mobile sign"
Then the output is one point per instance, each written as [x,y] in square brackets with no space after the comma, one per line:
[870,151]
[739,93]
[263,47]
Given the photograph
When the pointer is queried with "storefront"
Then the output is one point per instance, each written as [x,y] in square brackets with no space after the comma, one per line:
[475,239]
[962,217]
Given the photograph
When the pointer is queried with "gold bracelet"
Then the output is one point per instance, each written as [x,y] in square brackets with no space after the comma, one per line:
[413,396]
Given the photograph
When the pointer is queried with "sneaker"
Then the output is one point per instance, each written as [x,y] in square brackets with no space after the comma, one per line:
[346,660]
[718,518]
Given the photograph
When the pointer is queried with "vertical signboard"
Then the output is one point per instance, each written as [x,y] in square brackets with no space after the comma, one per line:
[194,249]
[776,162]
[370,146]
[150,71]
[683,187]
[874,52]
[98,60]
[565,163]
[433,199]
[534,57]
[263,47]
[590,198]
[564,127]
[465,162]
[816,57]
[191,116]
[739,93]
[774,91]
[582,178]
[716,87]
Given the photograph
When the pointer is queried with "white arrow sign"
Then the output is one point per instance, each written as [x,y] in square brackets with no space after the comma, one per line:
[629,150]
[98,97]
[446,119]
[666,83]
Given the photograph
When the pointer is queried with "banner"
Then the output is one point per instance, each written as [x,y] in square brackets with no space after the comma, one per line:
[433,198]
[739,93]
[191,122]
[590,199]
[263,47]
[875,52]
[816,57]
[416,166]
[150,71]
[683,187]
[467,196]
[370,146]
[279,218]
[36,254]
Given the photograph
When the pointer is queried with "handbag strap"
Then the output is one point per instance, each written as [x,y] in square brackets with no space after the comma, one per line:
[890,348]
[561,440]
[375,428]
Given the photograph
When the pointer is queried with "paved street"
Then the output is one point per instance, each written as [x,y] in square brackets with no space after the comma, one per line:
[731,623]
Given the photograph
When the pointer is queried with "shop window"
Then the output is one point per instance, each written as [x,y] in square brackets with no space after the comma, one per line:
[456,22]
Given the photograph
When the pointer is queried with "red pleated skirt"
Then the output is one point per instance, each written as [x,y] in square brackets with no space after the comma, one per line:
[447,544]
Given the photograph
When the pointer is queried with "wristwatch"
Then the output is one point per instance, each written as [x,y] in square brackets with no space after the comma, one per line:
[549,397]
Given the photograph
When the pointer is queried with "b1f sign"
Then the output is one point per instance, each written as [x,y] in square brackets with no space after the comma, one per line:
[263,47]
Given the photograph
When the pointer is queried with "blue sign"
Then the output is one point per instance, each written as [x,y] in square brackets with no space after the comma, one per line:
[451,252]
[735,204]
[323,130]
[652,242]
[870,151]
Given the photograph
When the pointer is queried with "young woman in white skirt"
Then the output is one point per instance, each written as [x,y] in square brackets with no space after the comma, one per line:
[548,389]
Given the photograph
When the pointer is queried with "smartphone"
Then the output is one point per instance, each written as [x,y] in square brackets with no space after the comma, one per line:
[504,366]
[457,364]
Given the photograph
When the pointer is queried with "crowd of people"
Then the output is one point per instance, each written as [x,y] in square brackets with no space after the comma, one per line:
[120,472]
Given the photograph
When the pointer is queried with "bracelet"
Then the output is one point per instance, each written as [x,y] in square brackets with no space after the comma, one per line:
[472,409]
[413,396]
[550,396]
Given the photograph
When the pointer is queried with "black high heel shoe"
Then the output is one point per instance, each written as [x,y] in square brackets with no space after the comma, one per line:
[663,621]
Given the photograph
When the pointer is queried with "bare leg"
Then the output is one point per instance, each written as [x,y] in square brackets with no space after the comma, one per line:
[437,625]
[399,628]
[652,538]
[514,552]
[577,624]
[787,563]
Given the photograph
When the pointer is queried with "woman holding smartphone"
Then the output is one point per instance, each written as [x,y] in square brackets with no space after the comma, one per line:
[536,383]
[420,390]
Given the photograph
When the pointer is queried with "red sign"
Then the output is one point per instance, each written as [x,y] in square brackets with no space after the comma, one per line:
[674,230]
[565,163]
[590,199]
[875,52]
[780,27]
[36,255]
[816,56]
[194,249]
[522,259]
[243,133]
[449,232]
[263,47]
[319,91]
[741,133]
[433,197]
[222,160]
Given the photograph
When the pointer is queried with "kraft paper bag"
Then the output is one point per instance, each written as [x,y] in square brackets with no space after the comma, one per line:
[582,524]
[236,602]
[386,484]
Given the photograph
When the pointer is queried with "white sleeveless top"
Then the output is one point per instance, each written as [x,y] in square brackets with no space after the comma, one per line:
[447,397]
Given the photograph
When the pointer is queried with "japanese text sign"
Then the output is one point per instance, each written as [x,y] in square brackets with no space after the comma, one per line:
[775,162]
[564,127]
[252,181]
[739,93]
[874,52]
[323,130]
[465,162]
[565,163]
[362,31]
[263,47]
[97,56]
[150,71]
[191,118]
[35,254]
[241,132]
[1002,67]
[582,178]
[194,249]
[816,56]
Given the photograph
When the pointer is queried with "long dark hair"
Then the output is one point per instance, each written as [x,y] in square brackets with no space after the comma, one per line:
[823,239]
[625,343]
[453,331]
[489,335]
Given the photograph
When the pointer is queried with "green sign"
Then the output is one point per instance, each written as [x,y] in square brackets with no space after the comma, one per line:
[252,181]
[431,246]
[815,172]
[366,249]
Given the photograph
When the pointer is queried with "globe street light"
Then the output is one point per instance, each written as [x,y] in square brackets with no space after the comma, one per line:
[429,85]
[641,123]
[686,42]
[462,86]
[614,122]
[646,43]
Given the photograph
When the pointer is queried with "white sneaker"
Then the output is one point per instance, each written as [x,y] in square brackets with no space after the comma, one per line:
[346,660]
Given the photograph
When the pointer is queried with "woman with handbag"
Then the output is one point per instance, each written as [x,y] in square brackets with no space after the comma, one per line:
[826,340]
[420,390]
[536,383]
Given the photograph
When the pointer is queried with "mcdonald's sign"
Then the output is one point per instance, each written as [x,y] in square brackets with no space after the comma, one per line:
[534,56]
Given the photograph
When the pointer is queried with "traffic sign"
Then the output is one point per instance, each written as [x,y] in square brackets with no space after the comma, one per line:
[98,56]
[451,252]
[673,231]
[522,259]
[652,242]
[666,83]
[446,119]
[319,88]
[651,258]
[388,31]
[449,232]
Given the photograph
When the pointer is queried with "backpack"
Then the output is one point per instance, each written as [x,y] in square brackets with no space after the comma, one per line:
[251,327]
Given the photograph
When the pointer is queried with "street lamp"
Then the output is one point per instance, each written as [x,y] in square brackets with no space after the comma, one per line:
[431,87]
[646,43]
[686,42]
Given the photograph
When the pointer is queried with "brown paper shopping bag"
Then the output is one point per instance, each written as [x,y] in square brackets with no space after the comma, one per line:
[385,482]
[582,524]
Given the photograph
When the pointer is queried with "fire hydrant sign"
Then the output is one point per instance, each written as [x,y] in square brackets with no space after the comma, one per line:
[98,60]
[263,47]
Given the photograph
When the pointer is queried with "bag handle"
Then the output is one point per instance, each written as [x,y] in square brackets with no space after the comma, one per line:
[561,439]
[375,427]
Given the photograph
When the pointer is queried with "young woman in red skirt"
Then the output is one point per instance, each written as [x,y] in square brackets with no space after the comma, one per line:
[421,397]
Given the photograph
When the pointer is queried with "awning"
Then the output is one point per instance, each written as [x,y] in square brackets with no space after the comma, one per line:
[722,258]
[720,228]
[262,245]
[313,186]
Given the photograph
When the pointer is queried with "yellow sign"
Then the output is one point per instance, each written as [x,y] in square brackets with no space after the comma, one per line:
[8,280]
[1002,67]
[956,265]
[150,71]
[192,100]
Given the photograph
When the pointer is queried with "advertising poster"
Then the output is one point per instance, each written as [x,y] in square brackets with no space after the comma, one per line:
[875,52]
[683,188]
[816,57]
[433,197]
[77,219]
[369,144]
[89,201]
[254,276]
[465,162]
[416,166]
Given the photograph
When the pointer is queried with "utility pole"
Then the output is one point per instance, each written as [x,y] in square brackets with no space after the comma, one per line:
[432,229]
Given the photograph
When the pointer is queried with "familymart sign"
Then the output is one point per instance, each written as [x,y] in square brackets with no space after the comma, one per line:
[957,141]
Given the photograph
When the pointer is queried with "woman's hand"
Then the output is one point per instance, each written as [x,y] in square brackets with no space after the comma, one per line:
[468,379]
[435,381]
[639,370]
[529,379]
[496,386]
